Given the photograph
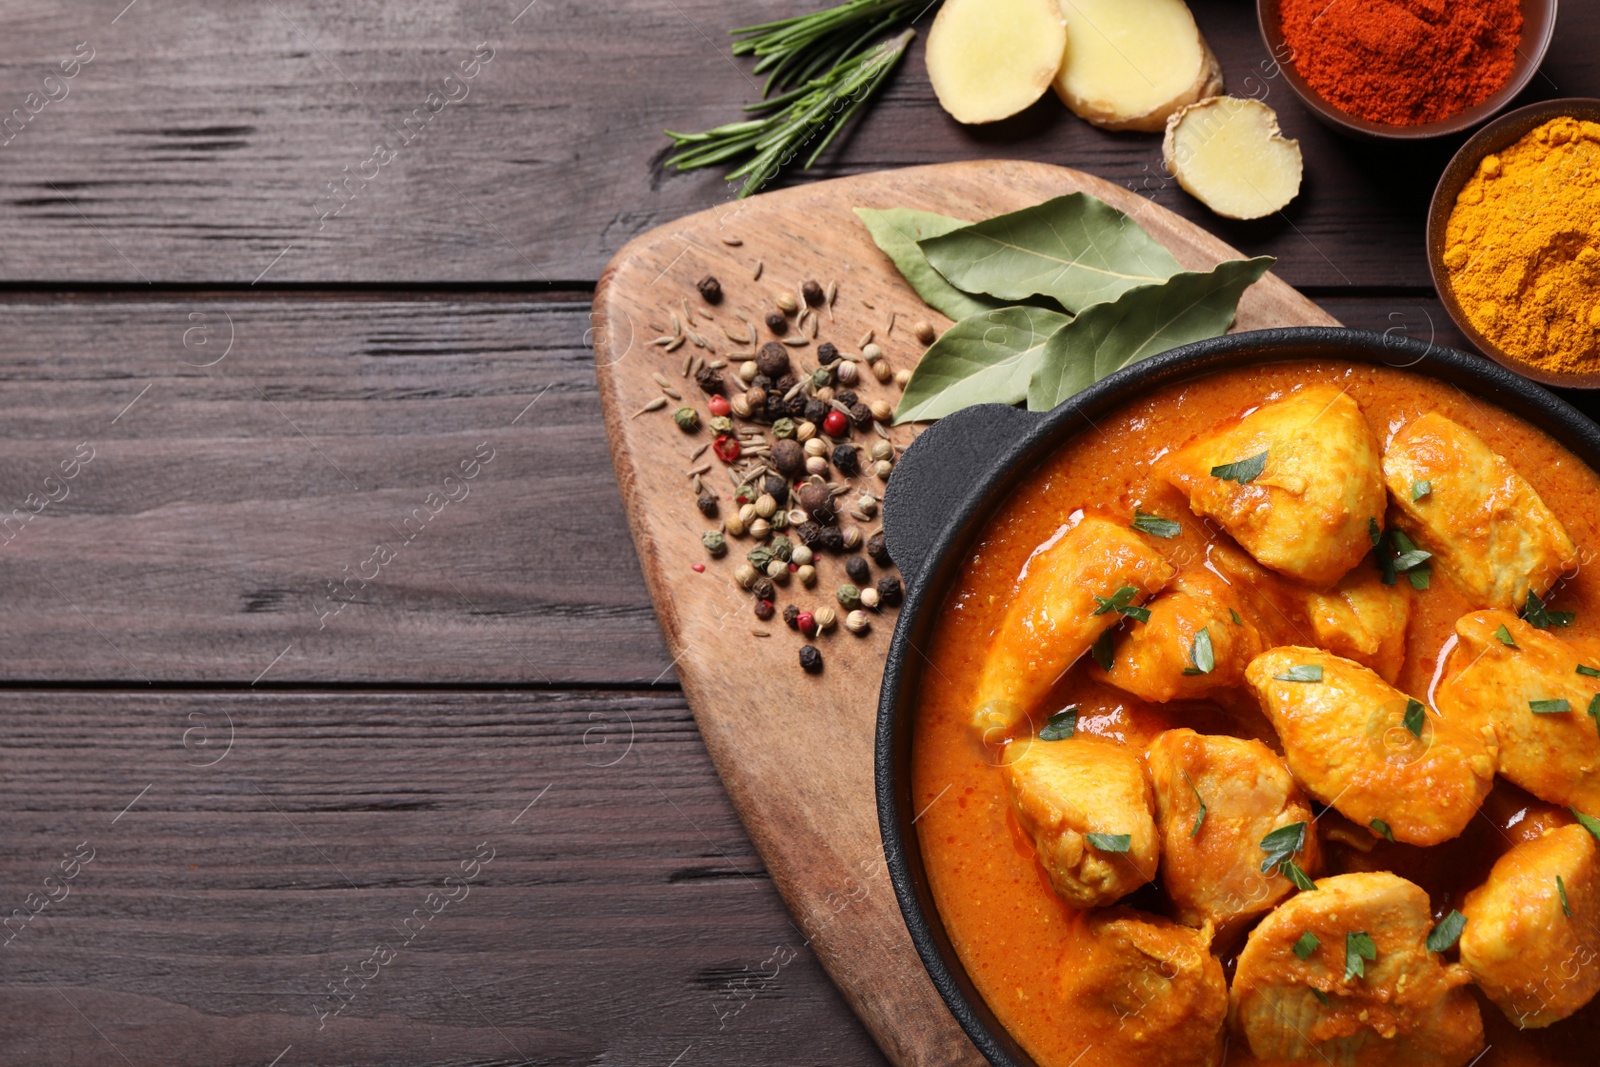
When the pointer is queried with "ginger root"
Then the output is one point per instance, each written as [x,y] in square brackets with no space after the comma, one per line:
[1230,155]
[1131,63]
[989,59]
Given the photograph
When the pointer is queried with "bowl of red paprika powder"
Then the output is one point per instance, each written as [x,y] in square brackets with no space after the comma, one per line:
[1406,69]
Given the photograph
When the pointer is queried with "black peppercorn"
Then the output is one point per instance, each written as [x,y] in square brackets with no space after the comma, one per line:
[846,398]
[791,617]
[707,503]
[776,488]
[711,289]
[810,659]
[848,459]
[832,539]
[761,382]
[709,380]
[858,570]
[861,415]
[764,609]
[789,457]
[812,292]
[878,549]
[809,533]
[777,323]
[785,383]
[827,355]
[763,590]
[890,594]
[773,360]
[815,411]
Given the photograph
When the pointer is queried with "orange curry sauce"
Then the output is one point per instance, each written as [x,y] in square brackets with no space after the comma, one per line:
[1013,933]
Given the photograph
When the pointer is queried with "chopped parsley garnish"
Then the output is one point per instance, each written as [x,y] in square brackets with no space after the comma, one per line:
[1536,614]
[1358,951]
[1594,710]
[1101,651]
[1416,715]
[1588,822]
[1320,995]
[1234,615]
[1374,531]
[1155,525]
[1281,845]
[1301,672]
[1201,655]
[1201,817]
[1549,707]
[1448,932]
[1242,471]
[1382,828]
[1561,888]
[1301,880]
[1122,601]
[1420,490]
[1306,945]
[1060,726]
[1410,560]
[1505,639]
[1587,672]
[1111,842]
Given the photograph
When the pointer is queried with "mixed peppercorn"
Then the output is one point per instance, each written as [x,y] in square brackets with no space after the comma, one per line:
[792,439]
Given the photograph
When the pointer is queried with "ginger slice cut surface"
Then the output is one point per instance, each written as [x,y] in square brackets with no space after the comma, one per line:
[1230,155]
[1131,63]
[989,59]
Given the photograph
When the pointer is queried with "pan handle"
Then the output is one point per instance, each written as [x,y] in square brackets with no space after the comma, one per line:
[948,462]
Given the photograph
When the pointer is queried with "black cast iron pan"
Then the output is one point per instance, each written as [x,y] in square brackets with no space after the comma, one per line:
[957,473]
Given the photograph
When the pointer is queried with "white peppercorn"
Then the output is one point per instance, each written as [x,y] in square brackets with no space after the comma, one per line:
[748,371]
[869,597]
[857,622]
[760,529]
[801,555]
[816,465]
[745,575]
[747,514]
[766,505]
[778,571]
[807,575]
[816,447]
[871,353]
[882,450]
[867,504]
[883,469]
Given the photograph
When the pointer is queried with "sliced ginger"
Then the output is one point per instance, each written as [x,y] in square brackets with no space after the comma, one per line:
[989,59]
[1230,155]
[1131,63]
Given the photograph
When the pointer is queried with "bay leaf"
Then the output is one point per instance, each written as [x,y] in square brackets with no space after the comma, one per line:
[1076,249]
[1190,306]
[896,231]
[985,358]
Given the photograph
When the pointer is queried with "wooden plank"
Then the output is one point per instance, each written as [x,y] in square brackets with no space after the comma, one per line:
[795,749]
[200,540]
[199,142]
[622,918]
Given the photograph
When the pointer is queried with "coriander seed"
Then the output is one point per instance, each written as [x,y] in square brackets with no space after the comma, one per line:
[882,371]
[734,526]
[869,598]
[807,575]
[824,395]
[741,406]
[786,303]
[766,505]
[924,331]
[882,410]
[760,528]
[902,378]
[805,431]
[816,446]
[745,575]
[857,622]
[747,514]
[715,543]
[810,659]
[852,539]
[825,617]
[848,373]
[849,596]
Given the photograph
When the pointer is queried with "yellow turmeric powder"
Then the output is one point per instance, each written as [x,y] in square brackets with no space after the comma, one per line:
[1522,247]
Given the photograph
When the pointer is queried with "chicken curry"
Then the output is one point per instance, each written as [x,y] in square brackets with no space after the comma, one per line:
[1264,728]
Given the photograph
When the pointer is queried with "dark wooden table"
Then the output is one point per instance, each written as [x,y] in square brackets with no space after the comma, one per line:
[442,803]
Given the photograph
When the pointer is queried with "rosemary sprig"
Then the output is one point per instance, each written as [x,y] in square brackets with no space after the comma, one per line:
[821,107]
[799,48]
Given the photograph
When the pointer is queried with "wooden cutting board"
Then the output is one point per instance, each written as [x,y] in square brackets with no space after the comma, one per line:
[795,750]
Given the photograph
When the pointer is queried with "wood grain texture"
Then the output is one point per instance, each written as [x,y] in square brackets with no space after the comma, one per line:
[199,542]
[199,143]
[795,750]
[248,848]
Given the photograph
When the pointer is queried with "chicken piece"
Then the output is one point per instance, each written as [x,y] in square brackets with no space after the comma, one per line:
[1553,754]
[1307,512]
[1525,951]
[1211,863]
[1487,528]
[1345,736]
[1149,988]
[1408,1009]
[1054,617]
[1069,791]
[1364,620]
[1158,659]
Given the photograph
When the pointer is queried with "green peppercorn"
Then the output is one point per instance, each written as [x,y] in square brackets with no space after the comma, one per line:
[721,424]
[783,429]
[688,419]
[822,376]
[782,548]
[760,557]
[715,543]
[849,596]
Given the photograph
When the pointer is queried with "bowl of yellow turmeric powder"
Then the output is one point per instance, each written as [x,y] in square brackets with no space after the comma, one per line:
[1514,241]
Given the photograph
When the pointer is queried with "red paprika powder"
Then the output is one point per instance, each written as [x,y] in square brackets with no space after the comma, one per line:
[1403,62]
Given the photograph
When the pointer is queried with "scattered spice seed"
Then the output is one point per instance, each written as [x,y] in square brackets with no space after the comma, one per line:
[777,323]
[763,589]
[858,570]
[810,659]
[848,596]
[732,242]
[710,289]
[797,342]
[702,469]
[745,575]
[807,575]
[707,503]
[878,549]
[833,293]
[848,373]
[688,419]
[834,425]
[890,592]
[791,617]
[869,598]
[857,622]
[688,362]
[715,543]
[764,610]
[655,405]
[726,447]
[812,292]
[924,331]
[675,344]
[761,265]
[806,623]
[888,331]
[698,568]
